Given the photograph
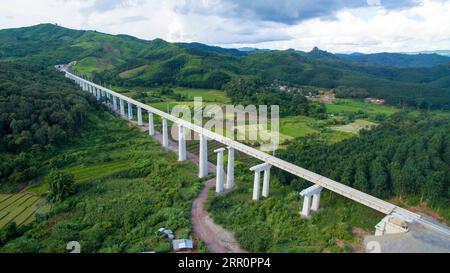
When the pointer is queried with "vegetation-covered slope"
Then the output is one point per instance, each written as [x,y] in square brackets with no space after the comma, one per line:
[126,185]
[127,188]
[397,59]
[40,110]
[124,60]
[403,157]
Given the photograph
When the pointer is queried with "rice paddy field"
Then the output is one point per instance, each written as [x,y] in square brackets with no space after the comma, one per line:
[20,208]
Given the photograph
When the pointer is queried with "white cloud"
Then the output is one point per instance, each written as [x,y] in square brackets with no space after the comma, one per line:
[371,28]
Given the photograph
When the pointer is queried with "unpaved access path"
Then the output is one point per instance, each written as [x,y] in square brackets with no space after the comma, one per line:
[216,238]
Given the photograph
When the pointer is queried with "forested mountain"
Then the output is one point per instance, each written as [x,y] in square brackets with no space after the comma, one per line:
[128,61]
[397,59]
[405,156]
[40,110]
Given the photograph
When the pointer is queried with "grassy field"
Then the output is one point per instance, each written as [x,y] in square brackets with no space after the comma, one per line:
[355,127]
[349,105]
[208,95]
[19,208]
[302,126]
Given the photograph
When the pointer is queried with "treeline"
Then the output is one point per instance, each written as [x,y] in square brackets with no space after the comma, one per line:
[354,93]
[246,91]
[403,157]
[40,109]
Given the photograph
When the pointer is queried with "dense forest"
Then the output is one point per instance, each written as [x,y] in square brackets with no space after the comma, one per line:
[40,110]
[128,61]
[405,156]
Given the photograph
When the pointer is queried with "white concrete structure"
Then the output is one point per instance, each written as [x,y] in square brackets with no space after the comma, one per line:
[130,111]
[203,157]
[122,108]
[391,225]
[311,200]
[181,144]
[151,124]
[339,188]
[230,169]
[219,172]
[264,167]
[139,116]
[266,182]
[165,133]
[115,103]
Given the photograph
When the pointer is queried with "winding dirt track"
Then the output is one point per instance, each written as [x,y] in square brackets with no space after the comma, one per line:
[216,238]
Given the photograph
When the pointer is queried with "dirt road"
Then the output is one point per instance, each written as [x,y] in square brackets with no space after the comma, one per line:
[216,238]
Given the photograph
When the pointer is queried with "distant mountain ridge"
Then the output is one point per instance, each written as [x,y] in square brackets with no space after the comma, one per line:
[129,61]
[397,59]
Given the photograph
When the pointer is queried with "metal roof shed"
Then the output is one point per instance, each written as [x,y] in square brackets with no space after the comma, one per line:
[182,244]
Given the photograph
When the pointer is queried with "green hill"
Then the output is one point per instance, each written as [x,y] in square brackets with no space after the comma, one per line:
[398,59]
[128,61]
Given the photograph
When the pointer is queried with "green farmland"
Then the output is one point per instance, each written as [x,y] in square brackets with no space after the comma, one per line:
[208,95]
[340,106]
[19,208]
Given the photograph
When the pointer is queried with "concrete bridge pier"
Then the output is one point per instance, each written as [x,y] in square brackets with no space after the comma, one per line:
[115,103]
[230,169]
[311,200]
[220,172]
[151,124]
[181,144]
[266,181]
[130,111]
[98,94]
[122,108]
[139,116]
[256,186]
[165,134]
[203,157]
[265,167]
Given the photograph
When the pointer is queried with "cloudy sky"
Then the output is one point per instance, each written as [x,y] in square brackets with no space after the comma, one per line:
[336,26]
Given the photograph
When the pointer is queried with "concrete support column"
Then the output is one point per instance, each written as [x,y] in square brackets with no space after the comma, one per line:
[115,103]
[311,200]
[98,94]
[203,157]
[266,182]
[256,186]
[130,111]
[315,202]
[181,144]
[122,108]
[230,169]
[151,124]
[219,172]
[165,133]
[306,211]
[264,167]
[139,114]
